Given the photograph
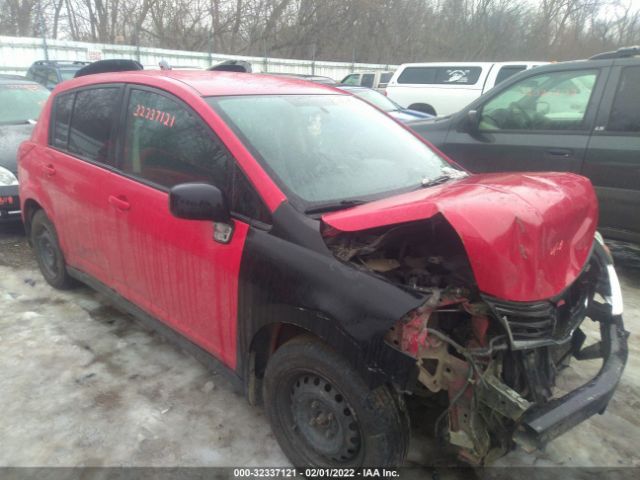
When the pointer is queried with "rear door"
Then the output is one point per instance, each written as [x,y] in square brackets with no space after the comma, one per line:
[539,123]
[173,268]
[613,157]
[76,172]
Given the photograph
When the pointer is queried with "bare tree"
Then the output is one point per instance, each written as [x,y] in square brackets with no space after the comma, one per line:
[381,31]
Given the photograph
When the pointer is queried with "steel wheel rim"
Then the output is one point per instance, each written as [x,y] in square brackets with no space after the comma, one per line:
[323,419]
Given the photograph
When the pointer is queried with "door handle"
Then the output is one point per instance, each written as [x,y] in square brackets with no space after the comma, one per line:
[560,152]
[49,170]
[120,202]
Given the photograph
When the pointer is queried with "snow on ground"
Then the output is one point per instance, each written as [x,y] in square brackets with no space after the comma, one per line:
[82,384]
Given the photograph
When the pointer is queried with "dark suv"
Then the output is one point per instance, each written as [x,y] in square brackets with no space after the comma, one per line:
[51,72]
[580,116]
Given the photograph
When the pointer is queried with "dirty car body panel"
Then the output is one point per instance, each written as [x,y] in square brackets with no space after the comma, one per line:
[432,282]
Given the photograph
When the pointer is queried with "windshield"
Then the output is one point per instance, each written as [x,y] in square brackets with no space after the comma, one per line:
[21,102]
[68,74]
[376,99]
[330,148]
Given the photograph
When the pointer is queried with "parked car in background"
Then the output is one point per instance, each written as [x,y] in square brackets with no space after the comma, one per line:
[385,104]
[376,79]
[328,258]
[444,88]
[51,72]
[21,101]
[581,116]
[309,78]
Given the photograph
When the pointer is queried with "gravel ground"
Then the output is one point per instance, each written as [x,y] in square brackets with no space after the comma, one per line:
[82,384]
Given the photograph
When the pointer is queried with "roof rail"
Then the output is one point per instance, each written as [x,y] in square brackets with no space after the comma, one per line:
[54,63]
[624,52]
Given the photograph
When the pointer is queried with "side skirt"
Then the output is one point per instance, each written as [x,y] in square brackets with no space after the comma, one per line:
[204,357]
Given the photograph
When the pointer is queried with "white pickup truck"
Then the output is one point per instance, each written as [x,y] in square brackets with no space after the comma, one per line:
[445,88]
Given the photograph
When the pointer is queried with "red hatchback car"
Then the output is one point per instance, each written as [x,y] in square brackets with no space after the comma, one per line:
[329,258]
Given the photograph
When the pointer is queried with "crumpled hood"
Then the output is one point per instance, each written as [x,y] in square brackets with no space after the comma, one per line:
[11,136]
[528,236]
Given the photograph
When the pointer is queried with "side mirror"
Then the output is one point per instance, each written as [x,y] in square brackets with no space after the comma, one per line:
[472,121]
[201,201]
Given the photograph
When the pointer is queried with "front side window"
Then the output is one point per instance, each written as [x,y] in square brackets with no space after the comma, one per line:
[550,101]
[625,112]
[21,102]
[385,77]
[167,144]
[90,135]
[454,75]
[367,79]
[329,148]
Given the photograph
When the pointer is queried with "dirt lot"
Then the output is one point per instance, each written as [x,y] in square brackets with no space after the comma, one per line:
[81,384]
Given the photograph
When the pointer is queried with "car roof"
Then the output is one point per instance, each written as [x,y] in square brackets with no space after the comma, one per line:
[342,86]
[472,64]
[207,83]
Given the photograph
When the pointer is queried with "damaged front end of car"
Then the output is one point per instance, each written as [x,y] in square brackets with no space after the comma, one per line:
[496,360]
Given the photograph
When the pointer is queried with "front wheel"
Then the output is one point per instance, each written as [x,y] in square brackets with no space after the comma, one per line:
[323,414]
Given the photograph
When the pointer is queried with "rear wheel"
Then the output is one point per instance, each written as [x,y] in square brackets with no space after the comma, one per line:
[48,253]
[323,414]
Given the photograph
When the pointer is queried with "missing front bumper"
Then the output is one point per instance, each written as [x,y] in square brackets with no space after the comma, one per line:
[541,424]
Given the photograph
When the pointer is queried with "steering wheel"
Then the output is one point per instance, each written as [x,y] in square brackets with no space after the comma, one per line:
[515,107]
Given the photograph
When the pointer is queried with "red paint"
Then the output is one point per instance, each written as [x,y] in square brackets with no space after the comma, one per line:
[527,236]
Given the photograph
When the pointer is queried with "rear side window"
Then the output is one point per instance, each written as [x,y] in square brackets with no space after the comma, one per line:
[506,72]
[61,119]
[90,135]
[367,80]
[167,144]
[625,113]
[440,75]
[385,77]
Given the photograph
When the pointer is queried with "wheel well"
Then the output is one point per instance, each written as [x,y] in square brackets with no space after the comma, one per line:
[30,208]
[264,343]
[423,107]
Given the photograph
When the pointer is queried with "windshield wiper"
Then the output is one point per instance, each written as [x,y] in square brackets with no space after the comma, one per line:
[330,207]
[430,182]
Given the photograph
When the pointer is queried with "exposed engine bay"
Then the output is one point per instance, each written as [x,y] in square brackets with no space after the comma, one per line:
[495,360]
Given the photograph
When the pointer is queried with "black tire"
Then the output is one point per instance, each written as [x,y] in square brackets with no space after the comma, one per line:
[423,107]
[49,256]
[323,414]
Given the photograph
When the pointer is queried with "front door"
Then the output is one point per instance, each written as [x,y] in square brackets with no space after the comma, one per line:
[540,123]
[613,158]
[173,268]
